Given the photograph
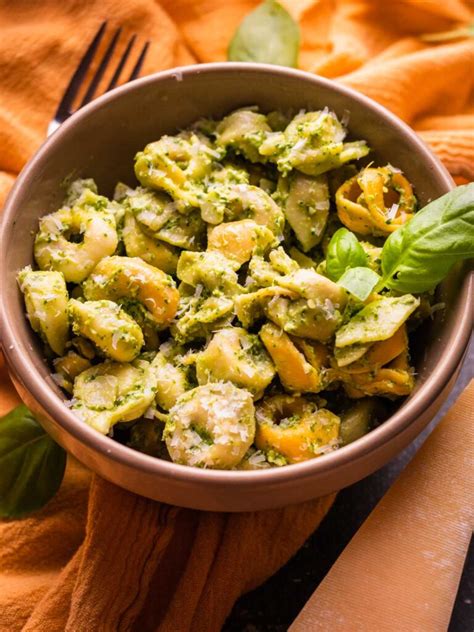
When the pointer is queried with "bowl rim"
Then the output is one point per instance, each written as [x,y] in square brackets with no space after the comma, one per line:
[18,353]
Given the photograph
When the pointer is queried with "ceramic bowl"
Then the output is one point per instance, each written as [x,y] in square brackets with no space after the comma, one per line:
[100,142]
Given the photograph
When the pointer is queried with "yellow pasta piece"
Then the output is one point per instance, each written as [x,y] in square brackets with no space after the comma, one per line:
[111,392]
[380,353]
[46,300]
[379,320]
[244,131]
[251,307]
[212,270]
[234,202]
[234,355]
[306,206]
[139,244]
[240,240]
[295,373]
[177,165]
[355,422]
[71,365]
[316,287]
[92,221]
[316,320]
[377,201]
[115,278]
[109,327]
[211,426]
[295,428]
[172,382]
[201,317]
[394,380]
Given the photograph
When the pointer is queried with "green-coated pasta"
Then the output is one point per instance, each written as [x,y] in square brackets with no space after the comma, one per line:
[208,308]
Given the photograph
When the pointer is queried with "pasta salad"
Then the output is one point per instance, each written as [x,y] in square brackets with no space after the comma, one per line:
[237,308]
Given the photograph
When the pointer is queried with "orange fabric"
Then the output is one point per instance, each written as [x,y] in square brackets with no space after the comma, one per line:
[97,557]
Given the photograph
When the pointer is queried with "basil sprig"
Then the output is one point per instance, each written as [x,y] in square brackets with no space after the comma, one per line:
[267,35]
[31,464]
[344,252]
[417,256]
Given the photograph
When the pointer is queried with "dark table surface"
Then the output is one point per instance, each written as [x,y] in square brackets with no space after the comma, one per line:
[273,606]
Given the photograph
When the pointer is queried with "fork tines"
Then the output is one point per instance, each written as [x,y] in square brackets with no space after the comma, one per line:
[65,107]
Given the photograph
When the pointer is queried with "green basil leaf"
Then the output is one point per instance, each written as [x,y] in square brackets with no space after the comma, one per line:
[360,282]
[268,35]
[344,252]
[31,464]
[417,256]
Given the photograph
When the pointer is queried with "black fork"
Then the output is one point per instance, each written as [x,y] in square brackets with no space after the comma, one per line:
[64,110]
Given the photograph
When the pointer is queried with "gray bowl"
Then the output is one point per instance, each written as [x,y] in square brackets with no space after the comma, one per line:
[100,142]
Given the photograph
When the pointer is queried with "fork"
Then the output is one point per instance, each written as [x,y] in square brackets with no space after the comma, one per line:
[64,110]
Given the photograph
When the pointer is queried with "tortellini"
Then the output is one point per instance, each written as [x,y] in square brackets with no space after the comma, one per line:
[212,270]
[244,131]
[379,320]
[46,301]
[138,244]
[177,164]
[305,201]
[115,278]
[211,426]
[377,201]
[312,143]
[157,216]
[234,355]
[240,240]
[296,373]
[75,238]
[109,327]
[242,201]
[192,317]
[296,428]
[172,381]
[111,392]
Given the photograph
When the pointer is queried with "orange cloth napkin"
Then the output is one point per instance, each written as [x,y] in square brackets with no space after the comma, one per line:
[97,557]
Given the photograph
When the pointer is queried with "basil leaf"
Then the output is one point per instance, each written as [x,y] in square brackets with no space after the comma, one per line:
[268,35]
[31,464]
[344,252]
[360,282]
[417,256]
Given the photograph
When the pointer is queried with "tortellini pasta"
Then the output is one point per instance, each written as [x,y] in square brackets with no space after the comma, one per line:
[46,301]
[114,391]
[296,428]
[115,278]
[211,426]
[379,320]
[313,144]
[138,244]
[244,131]
[75,238]
[240,240]
[375,202]
[305,201]
[234,355]
[177,165]
[109,327]
[194,312]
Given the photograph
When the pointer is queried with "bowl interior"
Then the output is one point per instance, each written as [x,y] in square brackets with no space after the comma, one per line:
[102,139]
